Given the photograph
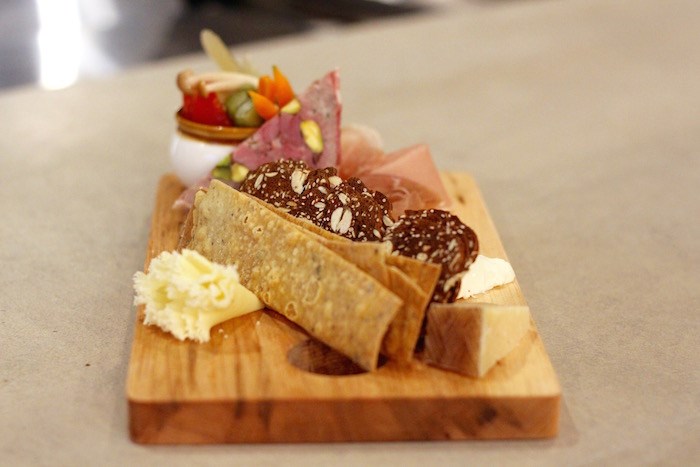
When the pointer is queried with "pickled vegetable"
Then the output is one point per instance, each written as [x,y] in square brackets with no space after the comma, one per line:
[239,108]
[204,109]
[235,100]
[263,106]
[246,115]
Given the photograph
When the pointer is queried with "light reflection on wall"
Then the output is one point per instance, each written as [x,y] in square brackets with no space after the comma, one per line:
[60,42]
[74,36]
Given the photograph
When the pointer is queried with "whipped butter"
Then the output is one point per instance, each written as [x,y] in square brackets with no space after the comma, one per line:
[186,294]
[484,274]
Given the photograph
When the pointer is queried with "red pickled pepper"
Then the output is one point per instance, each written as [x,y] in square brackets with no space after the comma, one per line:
[207,109]
[272,94]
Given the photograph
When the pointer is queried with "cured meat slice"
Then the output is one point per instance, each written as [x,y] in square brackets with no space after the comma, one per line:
[346,208]
[438,237]
[408,176]
[362,148]
[281,137]
[279,183]
[185,201]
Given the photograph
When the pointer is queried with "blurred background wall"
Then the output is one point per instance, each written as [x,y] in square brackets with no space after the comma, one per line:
[53,43]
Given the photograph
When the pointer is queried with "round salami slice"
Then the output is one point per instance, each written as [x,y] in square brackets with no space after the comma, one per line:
[376,214]
[279,183]
[346,208]
[438,237]
[319,183]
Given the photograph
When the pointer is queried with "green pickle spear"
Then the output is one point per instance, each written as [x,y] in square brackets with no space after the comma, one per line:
[239,108]
[247,116]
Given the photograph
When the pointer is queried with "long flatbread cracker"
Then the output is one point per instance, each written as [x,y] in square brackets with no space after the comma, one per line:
[293,274]
[370,257]
[426,275]
[400,340]
[410,279]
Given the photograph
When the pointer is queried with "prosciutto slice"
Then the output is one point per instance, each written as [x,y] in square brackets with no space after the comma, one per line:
[281,138]
[185,201]
[408,176]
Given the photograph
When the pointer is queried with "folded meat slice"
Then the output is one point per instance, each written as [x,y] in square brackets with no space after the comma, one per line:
[186,199]
[362,148]
[408,176]
[281,137]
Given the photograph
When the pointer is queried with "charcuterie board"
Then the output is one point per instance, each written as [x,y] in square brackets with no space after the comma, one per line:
[261,379]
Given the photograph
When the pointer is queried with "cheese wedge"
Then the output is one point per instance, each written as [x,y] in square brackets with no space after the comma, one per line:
[470,338]
[187,295]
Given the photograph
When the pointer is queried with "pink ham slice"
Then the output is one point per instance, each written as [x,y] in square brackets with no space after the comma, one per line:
[186,199]
[281,138]
[408,177]
[362,149]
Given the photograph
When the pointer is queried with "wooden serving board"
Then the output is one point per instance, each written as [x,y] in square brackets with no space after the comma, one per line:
[260,379]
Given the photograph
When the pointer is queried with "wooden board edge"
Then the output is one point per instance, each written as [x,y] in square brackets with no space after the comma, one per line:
[313,421]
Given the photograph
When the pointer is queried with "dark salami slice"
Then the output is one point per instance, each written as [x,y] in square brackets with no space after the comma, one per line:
[346,208]
[438,237]
[278,183]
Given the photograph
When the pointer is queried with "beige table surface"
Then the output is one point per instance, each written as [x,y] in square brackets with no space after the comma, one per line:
[581,123]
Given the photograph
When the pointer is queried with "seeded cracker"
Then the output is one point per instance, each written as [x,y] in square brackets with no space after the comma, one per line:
[293,274]
[348,209]
[318,232]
